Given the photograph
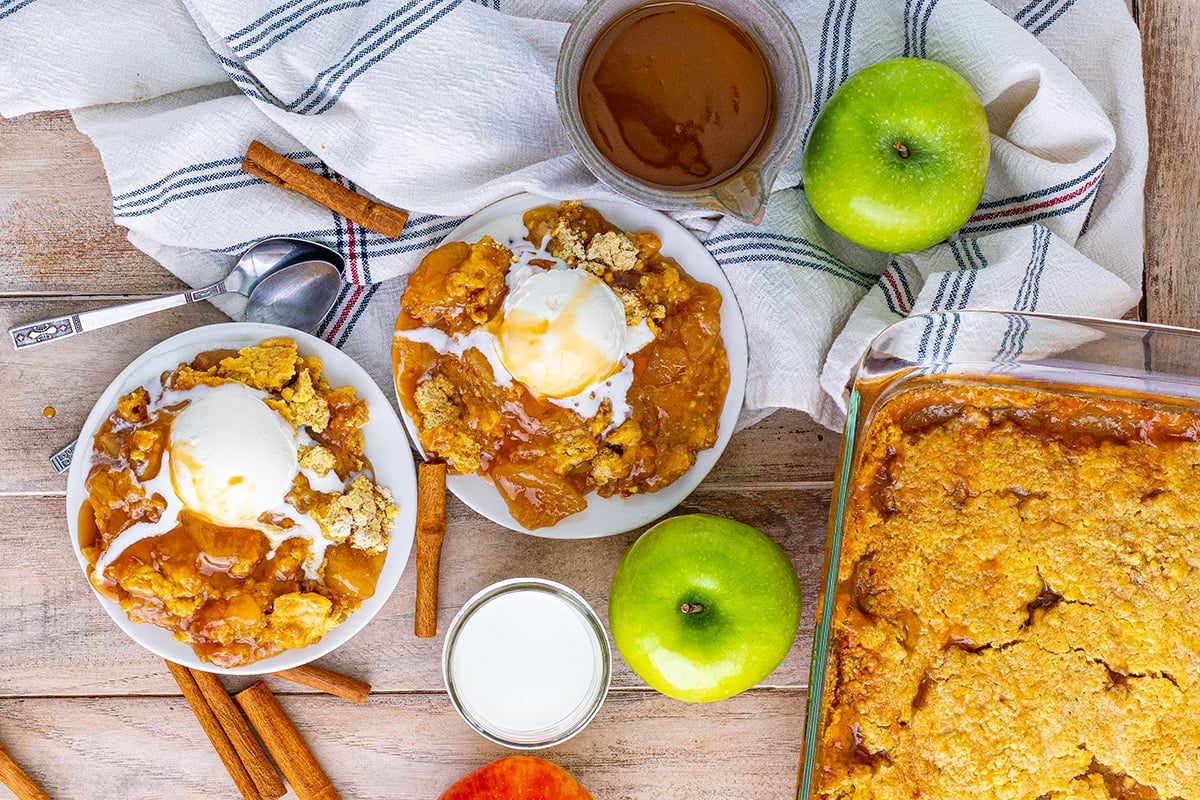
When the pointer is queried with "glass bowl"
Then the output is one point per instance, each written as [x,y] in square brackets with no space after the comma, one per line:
[743,194]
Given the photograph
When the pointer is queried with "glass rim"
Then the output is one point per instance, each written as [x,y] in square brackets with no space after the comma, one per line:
[587,709]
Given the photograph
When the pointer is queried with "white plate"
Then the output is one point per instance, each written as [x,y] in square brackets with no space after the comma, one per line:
[385,446]
[605,516]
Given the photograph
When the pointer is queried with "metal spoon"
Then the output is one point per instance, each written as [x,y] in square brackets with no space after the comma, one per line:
[297,296]
[255,264]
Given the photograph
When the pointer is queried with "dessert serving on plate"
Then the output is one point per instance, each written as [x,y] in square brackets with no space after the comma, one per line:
[229,499]
[573,358]
[1014,593]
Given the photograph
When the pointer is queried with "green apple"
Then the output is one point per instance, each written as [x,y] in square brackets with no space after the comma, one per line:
[703,608]
[897,158]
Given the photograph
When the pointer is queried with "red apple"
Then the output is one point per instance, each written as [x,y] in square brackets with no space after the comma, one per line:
[517,778]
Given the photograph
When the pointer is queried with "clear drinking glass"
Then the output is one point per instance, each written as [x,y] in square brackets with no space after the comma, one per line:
[527,663]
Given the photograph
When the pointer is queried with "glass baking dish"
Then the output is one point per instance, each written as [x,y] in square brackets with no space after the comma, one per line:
[1139,364]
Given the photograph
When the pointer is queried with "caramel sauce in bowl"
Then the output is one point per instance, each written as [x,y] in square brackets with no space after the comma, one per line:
[684,104]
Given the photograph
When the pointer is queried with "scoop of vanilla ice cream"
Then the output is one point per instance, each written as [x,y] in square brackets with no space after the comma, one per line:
[232,457]
[562,330]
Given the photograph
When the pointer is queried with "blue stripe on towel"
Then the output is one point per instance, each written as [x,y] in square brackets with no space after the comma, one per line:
[289,24]
[949,286]
[1033,11]
[1062,9]
[840,67]
[171,191]
[266,18]
[924,29]
[740,247]
[834,50]
[1024,12]
[949,280]
[189,181]
[423,239]
[942,331]
[10,7]
[951,338]
[1012,344]
[954,292]
[916,25]
[1039,15]
[380,41]
[191,168]
[1027,294]
[923,342]
[423,231]
[239,183]
[247,84]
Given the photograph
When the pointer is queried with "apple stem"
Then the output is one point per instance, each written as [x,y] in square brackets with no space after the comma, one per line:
[901,148]
[692,608]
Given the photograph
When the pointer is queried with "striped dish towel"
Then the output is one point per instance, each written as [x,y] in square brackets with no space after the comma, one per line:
[442,106]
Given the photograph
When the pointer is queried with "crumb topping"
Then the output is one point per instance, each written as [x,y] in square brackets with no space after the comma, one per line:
[1020,580]
[362,515]
[320,460]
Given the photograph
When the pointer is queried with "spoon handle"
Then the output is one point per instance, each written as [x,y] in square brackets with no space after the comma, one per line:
[54,328]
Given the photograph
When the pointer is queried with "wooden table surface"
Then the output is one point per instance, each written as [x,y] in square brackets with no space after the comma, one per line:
[90,714]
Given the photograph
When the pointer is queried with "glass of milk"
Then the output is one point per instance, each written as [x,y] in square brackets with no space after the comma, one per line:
[527,663]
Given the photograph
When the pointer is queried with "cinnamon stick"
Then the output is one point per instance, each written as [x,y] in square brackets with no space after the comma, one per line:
[263,162]
[17,780]
[285,744]
[216,734]
[254,759]
[328,681]
[431,531]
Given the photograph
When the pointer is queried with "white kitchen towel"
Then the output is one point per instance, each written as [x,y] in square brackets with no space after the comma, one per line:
[442,106]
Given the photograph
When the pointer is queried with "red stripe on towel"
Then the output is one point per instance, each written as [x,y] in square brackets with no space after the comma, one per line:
[1054,201]
[896,293]
[352,266]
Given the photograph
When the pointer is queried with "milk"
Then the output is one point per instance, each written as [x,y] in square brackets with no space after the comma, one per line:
[527,663]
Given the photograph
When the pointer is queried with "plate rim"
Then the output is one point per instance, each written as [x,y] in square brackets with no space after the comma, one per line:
[401,481]
[621,514]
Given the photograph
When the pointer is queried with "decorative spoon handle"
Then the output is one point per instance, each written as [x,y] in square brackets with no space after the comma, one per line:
[54,328]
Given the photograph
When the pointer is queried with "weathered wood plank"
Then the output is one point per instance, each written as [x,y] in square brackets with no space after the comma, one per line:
[56,216]
[56,639]
[1171,64]
[413,746]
